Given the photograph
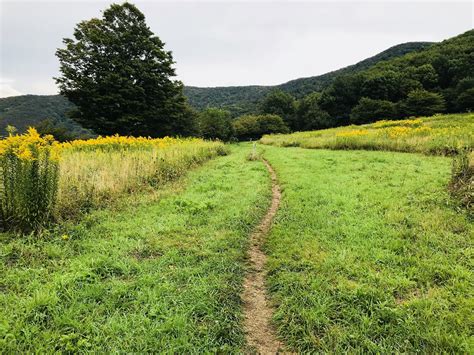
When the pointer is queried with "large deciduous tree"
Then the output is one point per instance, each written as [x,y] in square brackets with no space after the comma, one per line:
[310,116]
[282,104]
[370,110]
[422,103]
[118,74]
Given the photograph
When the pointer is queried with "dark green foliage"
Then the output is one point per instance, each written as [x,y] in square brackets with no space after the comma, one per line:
[370,110]
[253,126]
[421,83]
[282,104]
[215,123]
[241,100]
[58,130]
[422,103]
[465,101]
[310,116]
[382,85]
[341,96]
[118,74]
[238,100]
[425,74]
[464,95]
[29,110]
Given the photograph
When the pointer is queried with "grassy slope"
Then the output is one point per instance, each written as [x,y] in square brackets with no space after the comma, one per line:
[440,134]
[162,273]
[367,255]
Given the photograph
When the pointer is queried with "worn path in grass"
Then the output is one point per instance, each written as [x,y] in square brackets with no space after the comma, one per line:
[257,312]
[161,273]
[369,254]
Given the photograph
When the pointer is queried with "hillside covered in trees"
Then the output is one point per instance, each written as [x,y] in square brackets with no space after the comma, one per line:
[435,80]
[416,78]
[244,99]
[30,110]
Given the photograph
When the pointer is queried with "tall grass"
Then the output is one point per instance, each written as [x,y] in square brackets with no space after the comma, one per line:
[28,181]
[438,135]
[462,180]
[91,178]
[43,180]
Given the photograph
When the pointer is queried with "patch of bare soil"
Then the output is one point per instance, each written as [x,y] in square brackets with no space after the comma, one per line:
[260,335]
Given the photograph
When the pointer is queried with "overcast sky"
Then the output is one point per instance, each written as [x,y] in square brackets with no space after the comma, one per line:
[224,43]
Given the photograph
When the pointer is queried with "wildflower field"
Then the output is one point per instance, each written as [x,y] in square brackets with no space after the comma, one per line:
[439,135]
[42,179]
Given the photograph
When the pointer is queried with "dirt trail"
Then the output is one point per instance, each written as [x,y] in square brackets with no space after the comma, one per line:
[260,335]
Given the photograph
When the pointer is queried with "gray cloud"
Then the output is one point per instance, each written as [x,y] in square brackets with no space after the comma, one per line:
[231,43]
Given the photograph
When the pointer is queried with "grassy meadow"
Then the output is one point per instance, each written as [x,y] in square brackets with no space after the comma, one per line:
[158,272]
[43,180]
[368,254]
[439,135]
[142,245]
[95,172]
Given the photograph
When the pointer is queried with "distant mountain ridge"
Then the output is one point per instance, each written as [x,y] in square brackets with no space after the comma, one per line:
[241,98]
[29,110]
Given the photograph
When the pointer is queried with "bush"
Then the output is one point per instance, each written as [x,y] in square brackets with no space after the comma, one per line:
[253,126]
[28,181]
[370,110]
[422,103]
[215,123]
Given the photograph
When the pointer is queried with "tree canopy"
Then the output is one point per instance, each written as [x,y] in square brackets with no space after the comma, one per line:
[282,104]
[255,126]
[215,123]
[118,74]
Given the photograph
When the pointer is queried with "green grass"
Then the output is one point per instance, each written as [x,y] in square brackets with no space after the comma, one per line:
[367,254]
[159,273]
[438,135]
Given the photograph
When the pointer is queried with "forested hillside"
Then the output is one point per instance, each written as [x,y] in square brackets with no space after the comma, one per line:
[410,79]
[29,110]
[243,99]
[305,86]
[435,80]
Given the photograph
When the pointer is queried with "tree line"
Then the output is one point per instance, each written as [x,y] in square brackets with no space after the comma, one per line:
[120,77]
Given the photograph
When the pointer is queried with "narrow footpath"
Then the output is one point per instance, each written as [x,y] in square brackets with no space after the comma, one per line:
[260,335]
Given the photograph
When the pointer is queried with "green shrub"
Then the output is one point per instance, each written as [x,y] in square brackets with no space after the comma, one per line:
[215,123]
[253,126]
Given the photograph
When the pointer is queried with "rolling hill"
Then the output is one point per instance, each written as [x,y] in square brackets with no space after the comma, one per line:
[240,99]
[28,110]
